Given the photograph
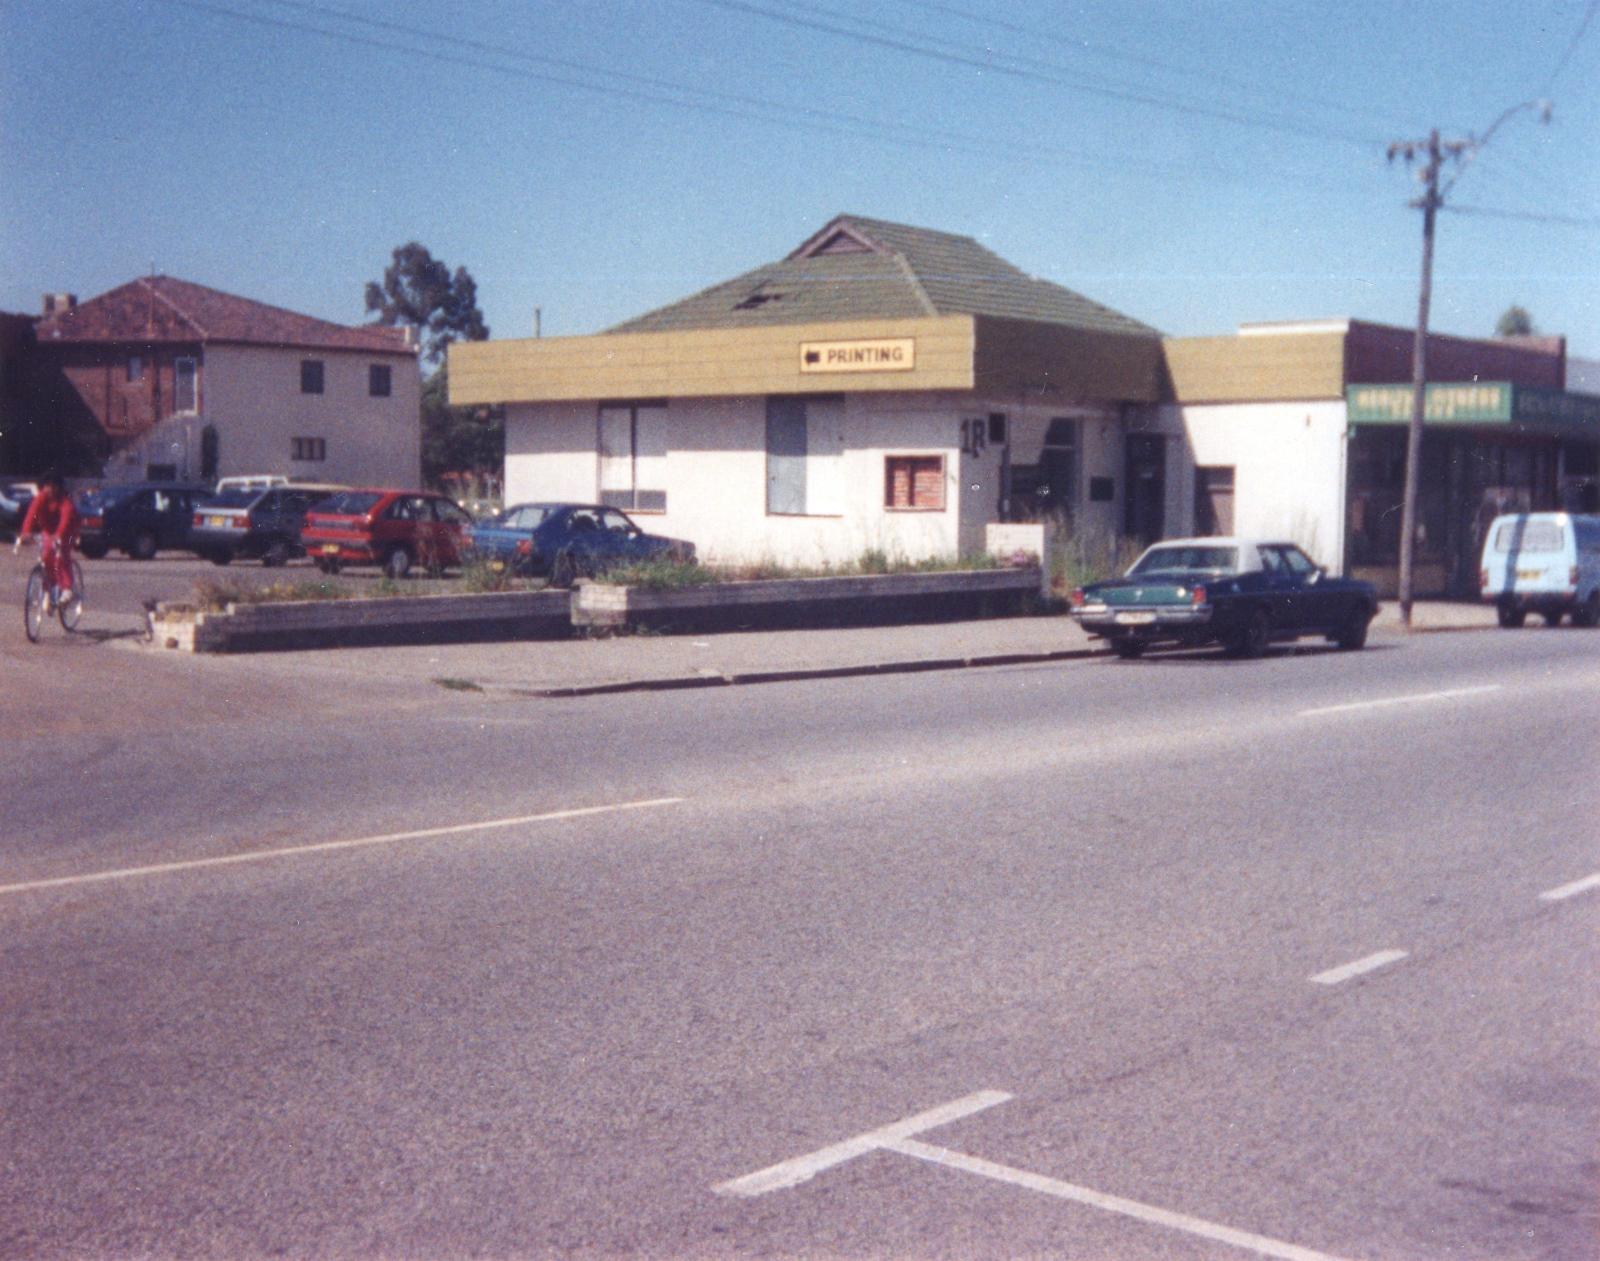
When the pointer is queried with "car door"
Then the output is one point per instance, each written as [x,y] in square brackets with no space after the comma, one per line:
[1288,570]
[621,539]
[584,536]
[452,530]
[1316,602]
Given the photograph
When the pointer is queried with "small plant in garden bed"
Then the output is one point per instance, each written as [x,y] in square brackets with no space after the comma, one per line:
[663,575]
[212,596]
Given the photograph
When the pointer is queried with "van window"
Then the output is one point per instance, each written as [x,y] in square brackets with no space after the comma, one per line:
[1529,536]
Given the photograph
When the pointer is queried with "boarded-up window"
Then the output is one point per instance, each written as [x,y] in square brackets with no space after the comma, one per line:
[914,483]
[633,456]
[805,449]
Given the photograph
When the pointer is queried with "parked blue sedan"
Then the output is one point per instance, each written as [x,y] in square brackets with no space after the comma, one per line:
[567,541]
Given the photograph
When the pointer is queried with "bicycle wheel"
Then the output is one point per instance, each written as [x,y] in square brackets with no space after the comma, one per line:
[72,610]
[33,604]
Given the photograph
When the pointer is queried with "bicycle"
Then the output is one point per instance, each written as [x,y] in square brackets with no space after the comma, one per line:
[39,601]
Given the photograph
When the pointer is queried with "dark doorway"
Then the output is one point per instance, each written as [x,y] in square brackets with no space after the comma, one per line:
[1213,500]
[1145,508]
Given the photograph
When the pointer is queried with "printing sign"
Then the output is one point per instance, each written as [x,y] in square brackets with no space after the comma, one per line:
[878,354]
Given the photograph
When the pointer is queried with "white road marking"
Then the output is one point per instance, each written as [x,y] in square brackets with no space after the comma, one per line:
[1419,698]
[1571,890]
[1259,1244]
[1372,962]
[790,1173]
[322,847]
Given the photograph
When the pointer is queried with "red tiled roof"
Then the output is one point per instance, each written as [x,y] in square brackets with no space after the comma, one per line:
[163,309]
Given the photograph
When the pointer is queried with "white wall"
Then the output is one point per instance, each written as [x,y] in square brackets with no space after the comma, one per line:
[252,395]
[717,476]
[1583,376]
[1289,462]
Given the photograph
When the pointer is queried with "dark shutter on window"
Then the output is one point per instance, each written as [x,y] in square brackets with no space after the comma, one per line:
[786,456]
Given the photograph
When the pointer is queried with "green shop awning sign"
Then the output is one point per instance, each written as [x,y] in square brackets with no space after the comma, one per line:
[1478,403]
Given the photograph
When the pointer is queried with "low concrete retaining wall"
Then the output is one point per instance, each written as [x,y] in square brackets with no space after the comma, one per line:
[343,623]
[593,605]
[807,601]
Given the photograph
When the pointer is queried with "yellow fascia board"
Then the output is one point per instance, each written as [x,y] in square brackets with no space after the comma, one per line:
[705,363]
[1257,368]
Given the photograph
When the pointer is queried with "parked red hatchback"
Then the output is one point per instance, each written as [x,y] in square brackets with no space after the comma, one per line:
[393,529]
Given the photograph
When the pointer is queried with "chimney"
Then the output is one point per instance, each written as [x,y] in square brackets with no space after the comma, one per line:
[59,303]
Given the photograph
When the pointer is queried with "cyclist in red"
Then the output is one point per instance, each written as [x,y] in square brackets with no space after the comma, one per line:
[52,515]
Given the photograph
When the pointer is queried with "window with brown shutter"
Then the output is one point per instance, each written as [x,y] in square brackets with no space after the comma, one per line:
[914,483]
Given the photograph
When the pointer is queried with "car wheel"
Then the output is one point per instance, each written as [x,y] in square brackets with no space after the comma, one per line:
[1353,634]
[1510,616]
[1587,614]
[1251,639]
[144,546]
[396,563]
[563,571]
[277,553]
[94,551]
[1127,649]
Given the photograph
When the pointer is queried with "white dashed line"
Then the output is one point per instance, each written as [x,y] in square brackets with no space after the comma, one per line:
[1420,698]
[1372,962]
[791,1173]
[323,847]
[1571,890]
[1259,1244]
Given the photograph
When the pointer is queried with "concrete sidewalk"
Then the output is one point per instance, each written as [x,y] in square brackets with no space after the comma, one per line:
[580,667]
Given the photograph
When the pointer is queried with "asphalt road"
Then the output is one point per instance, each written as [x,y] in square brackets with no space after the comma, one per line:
[1197,958]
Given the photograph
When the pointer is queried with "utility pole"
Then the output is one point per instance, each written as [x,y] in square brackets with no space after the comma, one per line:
[1429,203]
[1434,152]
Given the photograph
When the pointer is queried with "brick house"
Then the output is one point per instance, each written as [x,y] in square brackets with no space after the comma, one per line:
[162,378]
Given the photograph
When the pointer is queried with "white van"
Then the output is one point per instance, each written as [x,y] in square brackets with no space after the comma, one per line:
[1543,562]
[255,481]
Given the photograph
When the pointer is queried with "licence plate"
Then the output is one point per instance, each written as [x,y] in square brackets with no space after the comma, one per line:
[330,549]
[1135,619]
[1530,573]
[217,521]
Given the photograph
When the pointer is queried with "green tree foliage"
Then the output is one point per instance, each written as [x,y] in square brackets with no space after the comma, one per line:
[1513,322]
[420,291]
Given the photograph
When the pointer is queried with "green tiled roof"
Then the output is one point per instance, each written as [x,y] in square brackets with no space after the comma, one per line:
[864,269]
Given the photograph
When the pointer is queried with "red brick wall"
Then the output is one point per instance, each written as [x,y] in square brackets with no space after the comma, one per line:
[1376,354]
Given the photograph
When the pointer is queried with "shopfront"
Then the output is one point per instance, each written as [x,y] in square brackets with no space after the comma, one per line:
[1487,448]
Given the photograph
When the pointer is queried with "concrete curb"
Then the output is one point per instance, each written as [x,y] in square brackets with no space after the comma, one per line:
[721,679]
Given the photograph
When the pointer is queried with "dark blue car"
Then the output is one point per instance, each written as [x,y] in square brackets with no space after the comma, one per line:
[565,541]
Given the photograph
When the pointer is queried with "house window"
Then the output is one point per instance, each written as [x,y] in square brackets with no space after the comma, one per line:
[311,449]
[805,454]
[185,374]
[1050,487]
[379,380]
[914,483]
[633,456]
[311,376]
[135,368]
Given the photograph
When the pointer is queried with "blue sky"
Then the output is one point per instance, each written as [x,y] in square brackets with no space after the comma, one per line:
[1195,165]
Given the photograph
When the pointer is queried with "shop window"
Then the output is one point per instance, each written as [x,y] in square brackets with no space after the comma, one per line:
[633,456]
[1050,487]
[380,380]
[914,483]
[311,376]
[805,452]
[308,449]
[185,379]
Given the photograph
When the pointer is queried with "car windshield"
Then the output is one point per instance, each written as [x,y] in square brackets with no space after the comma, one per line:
[1529,536]
[351,503]
[105,496]
[238,498]
[1183,559]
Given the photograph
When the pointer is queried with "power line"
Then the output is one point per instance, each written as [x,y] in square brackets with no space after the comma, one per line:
[654,91]
[1577,38]
[1528,216]
[1152,63]
[1054,79]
